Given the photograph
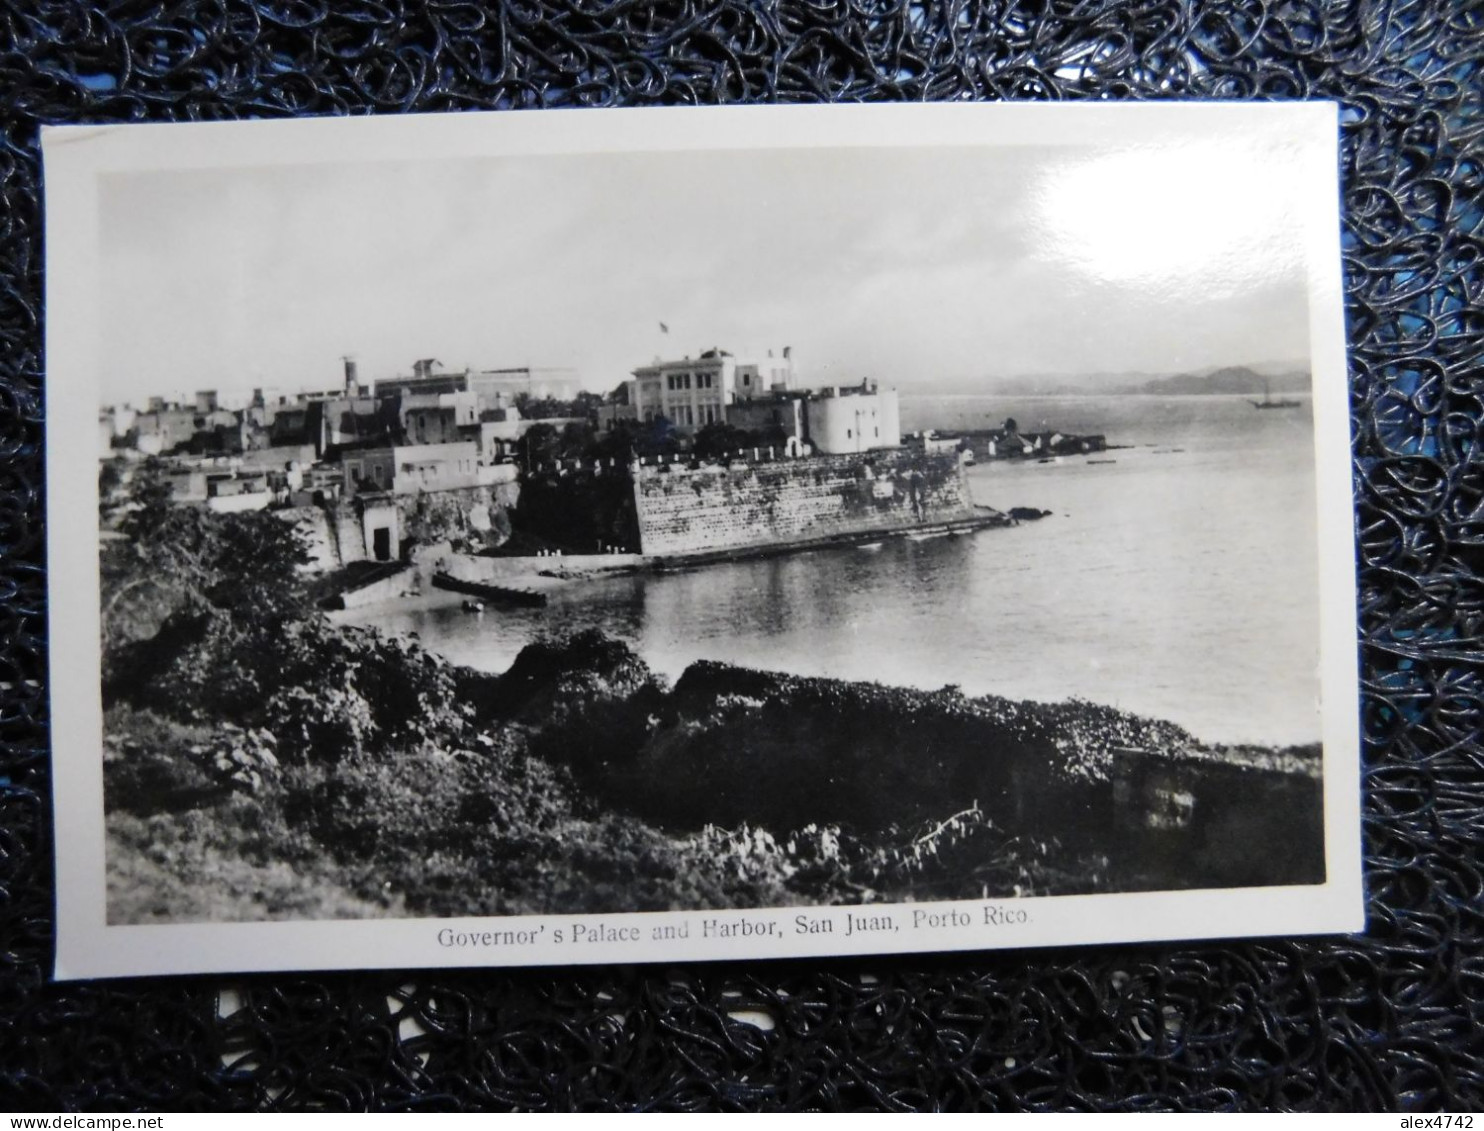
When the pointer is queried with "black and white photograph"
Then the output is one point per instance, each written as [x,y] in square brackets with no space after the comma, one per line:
[641,536]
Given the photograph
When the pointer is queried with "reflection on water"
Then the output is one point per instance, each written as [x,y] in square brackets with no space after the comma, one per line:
[1179,584]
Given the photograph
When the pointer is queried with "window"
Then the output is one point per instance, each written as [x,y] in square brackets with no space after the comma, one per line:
[849,434]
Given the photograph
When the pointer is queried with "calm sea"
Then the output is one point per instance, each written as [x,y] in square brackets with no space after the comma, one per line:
[1179,581]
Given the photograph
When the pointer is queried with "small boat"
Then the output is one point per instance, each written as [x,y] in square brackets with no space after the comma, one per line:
[869,546]
[482,594]
[472,606]
[1268,401]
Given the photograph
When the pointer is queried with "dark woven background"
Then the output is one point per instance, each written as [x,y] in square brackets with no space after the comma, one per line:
[1390,1020]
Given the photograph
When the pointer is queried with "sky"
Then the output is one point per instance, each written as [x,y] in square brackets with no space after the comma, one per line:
[921,268]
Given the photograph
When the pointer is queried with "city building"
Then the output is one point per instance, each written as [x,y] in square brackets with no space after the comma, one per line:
[406,469]
[423,382]
[693,392]
[854,418]
[492,388]
[341,422]
[779,416]
[497,387]
[438,418]
[610,416]
[499,429]
[163,429]
[230,494]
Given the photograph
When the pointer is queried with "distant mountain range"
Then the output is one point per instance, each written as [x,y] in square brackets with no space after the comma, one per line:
[1238,380]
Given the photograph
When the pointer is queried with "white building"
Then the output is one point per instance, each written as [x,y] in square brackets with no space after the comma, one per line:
[855,418]
[693,392]
[498,387]
[406,469]
[436,418]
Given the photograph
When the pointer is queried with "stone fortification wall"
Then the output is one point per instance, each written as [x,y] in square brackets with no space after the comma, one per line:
[461,514]
[684,512]
[336,536]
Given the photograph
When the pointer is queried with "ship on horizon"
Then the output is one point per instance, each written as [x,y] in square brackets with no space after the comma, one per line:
[1268,401]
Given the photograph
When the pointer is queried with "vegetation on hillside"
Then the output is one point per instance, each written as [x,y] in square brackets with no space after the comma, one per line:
[170,559]
[260,762]
[398,784]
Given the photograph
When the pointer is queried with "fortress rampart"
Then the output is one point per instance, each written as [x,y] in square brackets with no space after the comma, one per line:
[684,512]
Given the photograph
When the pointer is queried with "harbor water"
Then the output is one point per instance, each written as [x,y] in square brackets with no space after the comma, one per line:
[1176,577]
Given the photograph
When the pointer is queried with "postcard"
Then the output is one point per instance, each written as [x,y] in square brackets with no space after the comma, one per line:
[683,534]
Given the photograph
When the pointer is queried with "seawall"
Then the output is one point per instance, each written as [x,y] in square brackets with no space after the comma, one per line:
[516,570]
[684,512]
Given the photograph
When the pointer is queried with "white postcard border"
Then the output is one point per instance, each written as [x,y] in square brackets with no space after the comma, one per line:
[75,159]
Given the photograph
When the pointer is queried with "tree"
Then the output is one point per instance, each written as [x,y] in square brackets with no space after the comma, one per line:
[256,562]
[576,440]
[584,405]
[587,404]
[173,558]
[619,443]
[110,489]
[658,437]
[540,444]
[151,499]
[716,440]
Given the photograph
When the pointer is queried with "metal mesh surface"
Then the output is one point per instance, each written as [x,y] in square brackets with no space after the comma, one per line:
[1389,1020]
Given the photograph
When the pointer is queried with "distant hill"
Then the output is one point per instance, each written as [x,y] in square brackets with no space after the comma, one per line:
[1235,379]
[1231,380]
